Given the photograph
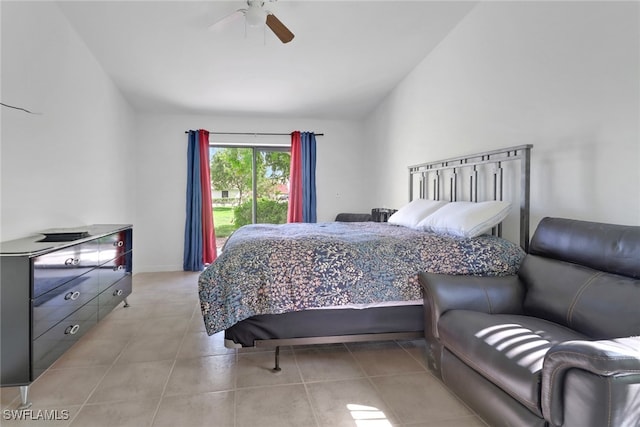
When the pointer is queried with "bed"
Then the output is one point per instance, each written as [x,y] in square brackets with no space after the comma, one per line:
[294,284]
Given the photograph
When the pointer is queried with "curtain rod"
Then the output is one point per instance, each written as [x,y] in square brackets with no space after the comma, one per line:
[254,133]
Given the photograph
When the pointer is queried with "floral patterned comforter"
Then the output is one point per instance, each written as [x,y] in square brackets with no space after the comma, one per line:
[272,269]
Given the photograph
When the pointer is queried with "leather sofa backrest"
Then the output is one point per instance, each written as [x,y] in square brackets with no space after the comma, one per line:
[585,276]
[605,247]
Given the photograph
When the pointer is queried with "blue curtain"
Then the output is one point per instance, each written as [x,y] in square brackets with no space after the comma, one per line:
[192,260]
[308,154]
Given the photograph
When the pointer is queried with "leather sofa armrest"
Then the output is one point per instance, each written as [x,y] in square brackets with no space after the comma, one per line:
[442,292]
[616,358]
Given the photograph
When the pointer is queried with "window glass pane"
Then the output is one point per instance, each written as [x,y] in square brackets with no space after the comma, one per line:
[231,174]
[272,186]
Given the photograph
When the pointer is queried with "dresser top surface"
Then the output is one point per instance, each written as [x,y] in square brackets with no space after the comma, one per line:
[34,246]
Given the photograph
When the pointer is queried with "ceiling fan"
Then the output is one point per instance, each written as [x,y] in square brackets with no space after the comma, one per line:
[256,15]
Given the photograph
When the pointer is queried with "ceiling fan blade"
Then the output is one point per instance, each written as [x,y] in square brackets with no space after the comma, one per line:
[223,22]
[279,29]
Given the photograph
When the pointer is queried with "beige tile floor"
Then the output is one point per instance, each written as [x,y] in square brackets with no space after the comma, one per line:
[152,364]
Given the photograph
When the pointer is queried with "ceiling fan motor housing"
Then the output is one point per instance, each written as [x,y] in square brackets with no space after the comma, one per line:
[256,15]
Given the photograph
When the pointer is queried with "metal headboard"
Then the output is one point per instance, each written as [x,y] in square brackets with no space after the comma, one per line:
[443,180]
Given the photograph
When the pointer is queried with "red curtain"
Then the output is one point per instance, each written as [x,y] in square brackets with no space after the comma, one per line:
[209,252]
[294,214]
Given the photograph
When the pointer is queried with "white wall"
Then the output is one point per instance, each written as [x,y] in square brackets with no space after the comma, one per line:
[72,164]
[162,170]
[560,75]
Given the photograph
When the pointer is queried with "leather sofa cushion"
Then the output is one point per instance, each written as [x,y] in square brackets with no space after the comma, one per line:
[598,304]
[507,349]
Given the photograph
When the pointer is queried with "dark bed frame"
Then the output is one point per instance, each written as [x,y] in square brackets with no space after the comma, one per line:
[476,177]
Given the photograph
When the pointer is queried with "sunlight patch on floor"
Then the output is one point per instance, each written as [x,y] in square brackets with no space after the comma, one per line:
[368,416]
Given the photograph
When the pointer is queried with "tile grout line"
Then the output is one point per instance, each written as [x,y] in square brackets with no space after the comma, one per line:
[306,389]
[113,364]
[235,385]
[431,374]
[375,388]
[175,360]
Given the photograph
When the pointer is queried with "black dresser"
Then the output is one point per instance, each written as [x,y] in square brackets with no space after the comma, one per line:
[54,287]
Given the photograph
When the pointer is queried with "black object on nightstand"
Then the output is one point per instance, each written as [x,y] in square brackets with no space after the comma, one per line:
[381,214]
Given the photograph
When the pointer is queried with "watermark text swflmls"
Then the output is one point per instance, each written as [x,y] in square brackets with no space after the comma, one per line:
[35,414]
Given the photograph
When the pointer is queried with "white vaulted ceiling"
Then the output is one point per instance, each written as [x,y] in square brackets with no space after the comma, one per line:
[345,58]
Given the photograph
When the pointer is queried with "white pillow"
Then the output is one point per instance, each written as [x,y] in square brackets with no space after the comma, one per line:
[466,219]
[412,213]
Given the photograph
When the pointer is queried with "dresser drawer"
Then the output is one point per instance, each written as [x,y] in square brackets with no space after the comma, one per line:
[49,346]
[53,269]
[115,245]
[55,305]
[108,299]
[114,270]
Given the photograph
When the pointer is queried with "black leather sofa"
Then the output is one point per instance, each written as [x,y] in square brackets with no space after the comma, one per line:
[353,217]
[555,345]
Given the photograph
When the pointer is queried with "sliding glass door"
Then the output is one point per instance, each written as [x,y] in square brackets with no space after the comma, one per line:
[249,185]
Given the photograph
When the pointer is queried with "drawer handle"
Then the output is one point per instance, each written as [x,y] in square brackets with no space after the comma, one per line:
[72,329]
[72,296]
[119,243]
[72,261]
[118,267]
[117,293]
